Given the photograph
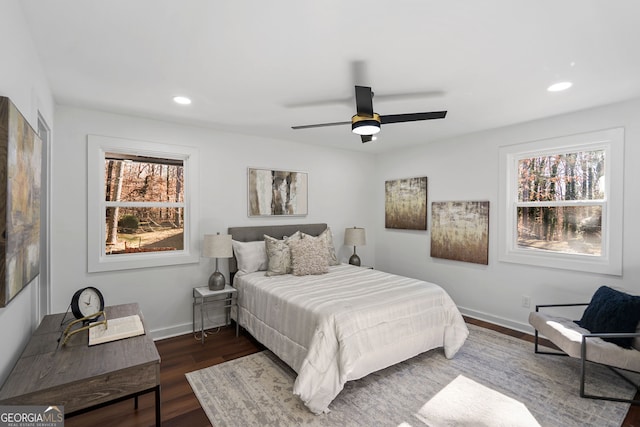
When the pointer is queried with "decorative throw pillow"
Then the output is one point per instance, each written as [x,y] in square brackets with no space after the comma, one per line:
[332,259]
[612,311]
[251,256]
[279,254]
[308,256]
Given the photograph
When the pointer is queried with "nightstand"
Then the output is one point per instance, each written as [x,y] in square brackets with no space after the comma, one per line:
[224,298]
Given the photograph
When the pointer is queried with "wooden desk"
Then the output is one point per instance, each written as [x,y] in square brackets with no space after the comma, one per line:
[80,377]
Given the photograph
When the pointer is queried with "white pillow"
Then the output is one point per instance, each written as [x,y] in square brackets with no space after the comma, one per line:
[251,256]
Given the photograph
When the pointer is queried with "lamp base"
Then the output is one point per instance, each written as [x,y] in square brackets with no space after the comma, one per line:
[354,260]
[216,281]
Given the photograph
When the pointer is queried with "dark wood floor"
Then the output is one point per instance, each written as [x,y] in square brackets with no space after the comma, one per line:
[185,354]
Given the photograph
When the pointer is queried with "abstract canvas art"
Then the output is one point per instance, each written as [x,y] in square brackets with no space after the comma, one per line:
[20,174]
[275,192]
[405,204]
[460,231]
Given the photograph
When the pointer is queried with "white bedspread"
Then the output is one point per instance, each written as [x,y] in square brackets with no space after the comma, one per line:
[346,324]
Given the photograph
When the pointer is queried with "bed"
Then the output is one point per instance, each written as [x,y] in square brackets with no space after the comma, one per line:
[340,325]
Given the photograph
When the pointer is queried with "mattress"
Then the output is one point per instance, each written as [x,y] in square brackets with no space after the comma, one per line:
[345,324]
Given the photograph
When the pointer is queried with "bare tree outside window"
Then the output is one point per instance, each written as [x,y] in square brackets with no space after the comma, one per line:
[144,198]
[560,202]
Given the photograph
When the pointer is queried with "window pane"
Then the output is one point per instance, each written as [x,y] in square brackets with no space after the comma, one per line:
[557,177]
[573,230]
[143,179]
[133,230]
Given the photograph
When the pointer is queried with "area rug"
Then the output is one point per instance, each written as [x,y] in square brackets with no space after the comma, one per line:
[256,390]
[466,402]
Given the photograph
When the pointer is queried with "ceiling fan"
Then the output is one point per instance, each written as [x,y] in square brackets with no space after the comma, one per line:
[366,123]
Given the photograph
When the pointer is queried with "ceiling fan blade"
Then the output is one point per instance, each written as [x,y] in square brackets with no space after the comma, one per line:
[359,73]
[366,138]
[412,117]
[322,103]
[412,95]
[320,125]
[364,101]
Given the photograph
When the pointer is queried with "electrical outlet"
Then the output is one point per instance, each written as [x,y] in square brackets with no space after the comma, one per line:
[526,301]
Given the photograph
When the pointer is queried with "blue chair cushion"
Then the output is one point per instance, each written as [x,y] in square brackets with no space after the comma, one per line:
[612,311]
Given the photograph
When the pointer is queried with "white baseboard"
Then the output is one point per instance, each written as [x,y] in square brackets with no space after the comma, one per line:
[187,328]
[496,320]
[173,331]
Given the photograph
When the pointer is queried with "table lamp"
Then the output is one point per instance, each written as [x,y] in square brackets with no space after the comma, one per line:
[217,246]
[354,237]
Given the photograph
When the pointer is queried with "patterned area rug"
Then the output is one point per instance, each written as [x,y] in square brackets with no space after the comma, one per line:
[499,370]
[466,402]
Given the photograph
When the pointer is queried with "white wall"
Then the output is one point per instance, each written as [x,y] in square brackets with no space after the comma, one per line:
[21,80]
[346,188]
[340,194]
[466,168]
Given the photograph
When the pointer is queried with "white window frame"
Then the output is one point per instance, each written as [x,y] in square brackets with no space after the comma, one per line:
[98,260]
[610,260]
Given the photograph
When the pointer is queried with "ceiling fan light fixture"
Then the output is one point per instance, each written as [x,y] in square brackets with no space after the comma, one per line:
[365,125]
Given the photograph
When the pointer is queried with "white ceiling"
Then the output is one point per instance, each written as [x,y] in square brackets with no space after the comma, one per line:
[246,64]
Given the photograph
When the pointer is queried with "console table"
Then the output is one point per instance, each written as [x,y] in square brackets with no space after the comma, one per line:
[80,377]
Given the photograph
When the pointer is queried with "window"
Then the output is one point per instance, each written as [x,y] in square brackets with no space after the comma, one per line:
[562,202]
[144,198]
[141,212]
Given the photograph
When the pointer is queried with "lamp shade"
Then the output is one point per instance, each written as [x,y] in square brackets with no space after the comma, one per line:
[217,246]
[354,237]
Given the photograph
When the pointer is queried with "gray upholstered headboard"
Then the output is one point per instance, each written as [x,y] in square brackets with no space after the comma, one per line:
[253,233]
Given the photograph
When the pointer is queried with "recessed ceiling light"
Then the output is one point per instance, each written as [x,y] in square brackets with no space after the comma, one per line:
[182,100]
[560,86]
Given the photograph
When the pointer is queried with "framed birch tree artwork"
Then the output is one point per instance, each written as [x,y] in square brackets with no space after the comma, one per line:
[460,231]
[405,205]
[277,192]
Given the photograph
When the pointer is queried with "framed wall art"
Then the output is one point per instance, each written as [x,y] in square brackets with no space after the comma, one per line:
[405,205]
[277,193]
[20,175]
[460,231]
